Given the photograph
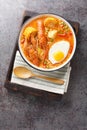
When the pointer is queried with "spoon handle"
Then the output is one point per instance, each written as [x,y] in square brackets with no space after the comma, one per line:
[54,80]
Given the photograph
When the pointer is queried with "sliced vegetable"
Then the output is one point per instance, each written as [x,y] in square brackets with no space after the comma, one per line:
[50,22]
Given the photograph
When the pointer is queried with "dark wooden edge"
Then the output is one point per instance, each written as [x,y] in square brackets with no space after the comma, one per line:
[28,90]
[75,26]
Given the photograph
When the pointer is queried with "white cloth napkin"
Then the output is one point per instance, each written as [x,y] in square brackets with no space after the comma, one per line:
[42,84]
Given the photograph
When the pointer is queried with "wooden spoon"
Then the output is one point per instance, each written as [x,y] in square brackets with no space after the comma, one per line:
[22,72]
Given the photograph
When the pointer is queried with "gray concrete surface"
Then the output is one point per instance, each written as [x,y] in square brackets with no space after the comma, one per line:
[28,112]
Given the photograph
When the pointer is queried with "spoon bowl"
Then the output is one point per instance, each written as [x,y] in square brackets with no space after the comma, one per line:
[24,73]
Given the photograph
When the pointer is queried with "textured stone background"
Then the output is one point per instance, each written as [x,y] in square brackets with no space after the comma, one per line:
[28,112]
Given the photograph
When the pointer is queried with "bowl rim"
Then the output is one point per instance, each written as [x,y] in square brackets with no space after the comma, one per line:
[34,66]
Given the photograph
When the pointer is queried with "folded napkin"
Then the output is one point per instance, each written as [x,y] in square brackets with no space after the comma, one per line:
[37,83]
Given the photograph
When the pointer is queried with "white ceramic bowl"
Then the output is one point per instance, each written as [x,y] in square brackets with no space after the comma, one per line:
[36,67]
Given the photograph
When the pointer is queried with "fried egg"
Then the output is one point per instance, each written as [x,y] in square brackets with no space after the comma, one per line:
[58,51]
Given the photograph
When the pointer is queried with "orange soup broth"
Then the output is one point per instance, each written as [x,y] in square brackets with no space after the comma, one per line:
[68,37]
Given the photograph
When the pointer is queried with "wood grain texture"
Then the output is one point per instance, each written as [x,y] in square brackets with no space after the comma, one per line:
[16,87]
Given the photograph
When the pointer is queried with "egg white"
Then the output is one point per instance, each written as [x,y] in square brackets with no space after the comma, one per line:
[62,46]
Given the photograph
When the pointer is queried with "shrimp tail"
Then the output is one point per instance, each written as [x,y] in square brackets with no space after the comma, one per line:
[41,34]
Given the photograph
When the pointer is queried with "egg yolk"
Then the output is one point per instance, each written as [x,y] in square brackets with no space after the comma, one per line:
[58,56]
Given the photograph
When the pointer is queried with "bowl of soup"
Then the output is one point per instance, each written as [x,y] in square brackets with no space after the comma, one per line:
[47,42]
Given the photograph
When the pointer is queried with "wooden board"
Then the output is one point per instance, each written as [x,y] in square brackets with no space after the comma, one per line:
[28,90]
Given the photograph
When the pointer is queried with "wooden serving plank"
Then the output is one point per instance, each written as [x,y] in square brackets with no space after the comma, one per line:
[25,89]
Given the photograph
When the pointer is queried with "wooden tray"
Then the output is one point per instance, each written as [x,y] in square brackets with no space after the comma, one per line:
[25,89]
